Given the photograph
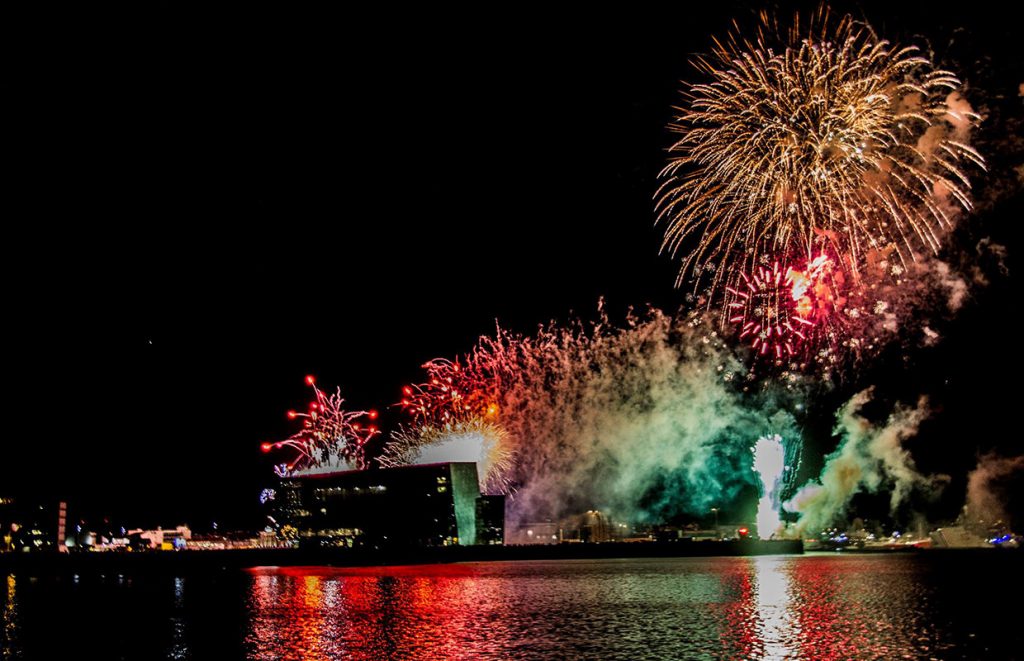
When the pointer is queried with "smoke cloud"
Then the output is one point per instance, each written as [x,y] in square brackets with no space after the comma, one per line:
[984,500]
[868,458]
[645,422]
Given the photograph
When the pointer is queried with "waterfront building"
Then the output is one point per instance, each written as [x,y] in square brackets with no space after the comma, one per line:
[426,505]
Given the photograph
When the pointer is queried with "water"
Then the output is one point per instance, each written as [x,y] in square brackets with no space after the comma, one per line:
[938,606]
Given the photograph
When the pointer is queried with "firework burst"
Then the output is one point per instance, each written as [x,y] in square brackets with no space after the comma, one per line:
[453,392]
[454,417]
[480,441]
[764,309]
[827,138]
[787,312]
[592,414]
[331,437]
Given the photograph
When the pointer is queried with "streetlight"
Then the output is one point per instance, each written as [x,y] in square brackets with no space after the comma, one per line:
[715,510]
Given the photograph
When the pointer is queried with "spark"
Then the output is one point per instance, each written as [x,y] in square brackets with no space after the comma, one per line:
[770,466]
[331,437]
[826,138]
[785,312]
[482,442]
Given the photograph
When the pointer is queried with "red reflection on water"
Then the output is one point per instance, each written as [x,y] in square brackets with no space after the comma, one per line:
[831,594]
[758,618]
[796,608]
[770,607]
[789,608]
[397,570]
[739,637]
[361,613]
[818,612]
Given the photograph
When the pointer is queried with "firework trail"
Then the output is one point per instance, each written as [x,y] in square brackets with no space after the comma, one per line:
[484,443]
[827,140]
[454,417]
[646,421]
[331,437]
[451,394]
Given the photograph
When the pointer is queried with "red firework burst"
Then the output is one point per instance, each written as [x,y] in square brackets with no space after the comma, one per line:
[778,308]
[329,434]
[762,308]
[451,394]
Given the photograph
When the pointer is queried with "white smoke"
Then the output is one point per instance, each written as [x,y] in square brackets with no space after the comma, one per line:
[868,458]
[954,285]
[646,423]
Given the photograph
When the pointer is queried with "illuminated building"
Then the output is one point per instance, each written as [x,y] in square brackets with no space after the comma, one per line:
[428,505]
[171,539]
[7,522]
[30,526]
[490,520]
[538,532]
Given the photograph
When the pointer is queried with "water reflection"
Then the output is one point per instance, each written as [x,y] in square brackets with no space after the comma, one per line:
[383,613]
[825,607]
[178,648]
[778,634]
[740,608]
[10,628]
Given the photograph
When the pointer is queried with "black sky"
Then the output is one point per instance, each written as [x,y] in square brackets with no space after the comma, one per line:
[206,206]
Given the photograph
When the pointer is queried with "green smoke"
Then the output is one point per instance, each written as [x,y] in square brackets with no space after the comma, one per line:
[648,421]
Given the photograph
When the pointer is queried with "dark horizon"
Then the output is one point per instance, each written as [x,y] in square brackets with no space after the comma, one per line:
[209,213]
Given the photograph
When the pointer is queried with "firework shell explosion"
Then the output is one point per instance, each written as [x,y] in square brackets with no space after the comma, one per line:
[331,437]
[788,311]
[825,141]
[451,394]
[772,308]
[646,419]
[480,441]
[453,413]
[814,179]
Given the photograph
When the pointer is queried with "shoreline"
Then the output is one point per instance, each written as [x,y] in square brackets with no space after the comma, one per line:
[200,561]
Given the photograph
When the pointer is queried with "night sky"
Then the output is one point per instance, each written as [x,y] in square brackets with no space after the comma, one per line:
[206,208]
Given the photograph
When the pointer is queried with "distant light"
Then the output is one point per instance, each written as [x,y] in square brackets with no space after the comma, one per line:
[743,531]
